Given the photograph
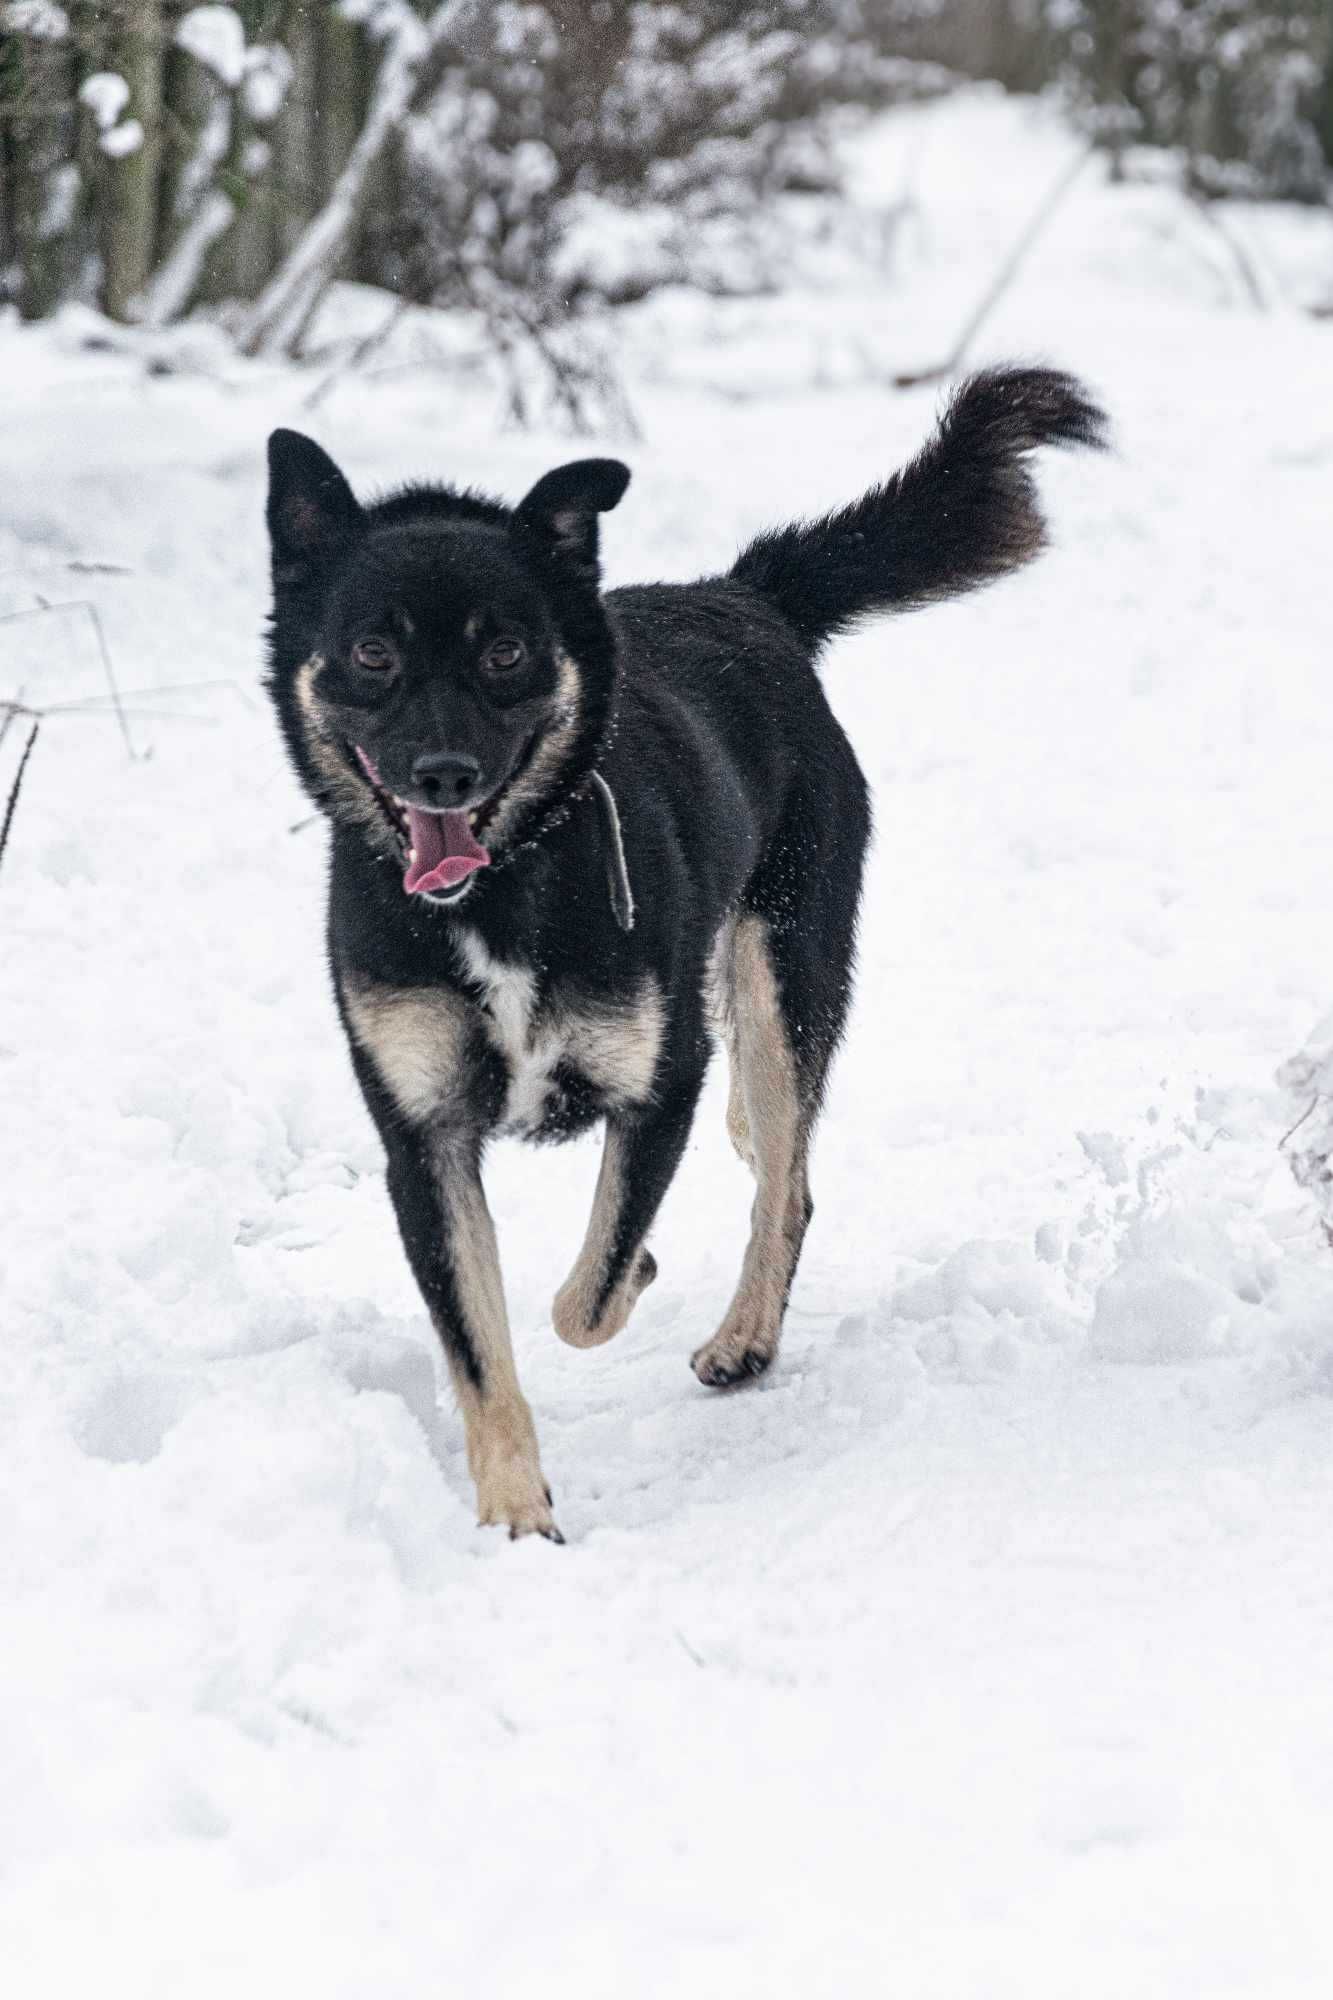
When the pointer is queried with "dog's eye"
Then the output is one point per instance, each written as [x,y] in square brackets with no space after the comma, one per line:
[504,656]
[375,655]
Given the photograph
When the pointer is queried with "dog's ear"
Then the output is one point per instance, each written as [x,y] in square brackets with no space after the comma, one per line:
[561,510]
[312,513]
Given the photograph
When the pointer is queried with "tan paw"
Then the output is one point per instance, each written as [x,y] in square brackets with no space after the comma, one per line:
[511,1493]
[571,1315]
[741,1349]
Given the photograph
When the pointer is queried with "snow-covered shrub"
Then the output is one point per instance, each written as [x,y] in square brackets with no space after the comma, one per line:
[1233,84]
[695,111]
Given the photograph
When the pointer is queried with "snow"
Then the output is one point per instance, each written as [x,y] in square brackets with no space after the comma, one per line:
[122,140]
[268,77]
[38,18]
[105,93]
[215,37]
[982,1649]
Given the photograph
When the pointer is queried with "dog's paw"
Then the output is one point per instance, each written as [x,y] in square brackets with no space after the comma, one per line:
[723,1361]
[572,1317]
[514,1495]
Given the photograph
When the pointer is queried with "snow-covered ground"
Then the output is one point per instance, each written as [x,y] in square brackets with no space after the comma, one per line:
[983,1649]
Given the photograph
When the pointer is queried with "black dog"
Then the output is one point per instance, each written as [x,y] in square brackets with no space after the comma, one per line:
[568,832]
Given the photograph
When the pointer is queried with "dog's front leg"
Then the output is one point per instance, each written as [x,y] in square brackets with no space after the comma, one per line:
[435,1182]
[641,1153]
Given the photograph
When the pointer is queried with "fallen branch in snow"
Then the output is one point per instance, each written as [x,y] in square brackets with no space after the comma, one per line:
[1002,280]
[407,75]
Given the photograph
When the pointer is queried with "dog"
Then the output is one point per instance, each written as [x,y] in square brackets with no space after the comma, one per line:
[575,835]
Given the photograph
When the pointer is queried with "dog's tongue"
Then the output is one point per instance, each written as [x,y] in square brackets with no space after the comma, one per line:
[444,851]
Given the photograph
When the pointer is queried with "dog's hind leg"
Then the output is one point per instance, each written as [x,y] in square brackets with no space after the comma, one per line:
[641,1153]
[785,987]
[770,1127]
[738,1115]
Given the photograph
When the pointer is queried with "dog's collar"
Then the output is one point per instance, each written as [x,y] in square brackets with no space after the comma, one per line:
[617,874]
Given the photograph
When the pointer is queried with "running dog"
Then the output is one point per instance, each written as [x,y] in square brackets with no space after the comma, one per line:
[574,834]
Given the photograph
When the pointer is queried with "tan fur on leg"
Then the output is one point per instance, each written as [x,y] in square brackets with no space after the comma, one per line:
[501,1437]
[738,1118]
[574,1314]
[770,1115]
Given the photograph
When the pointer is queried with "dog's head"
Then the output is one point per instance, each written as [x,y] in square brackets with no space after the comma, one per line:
[442,664]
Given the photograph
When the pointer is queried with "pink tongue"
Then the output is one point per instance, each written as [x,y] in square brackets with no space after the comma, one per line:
[443,844]
[444,850]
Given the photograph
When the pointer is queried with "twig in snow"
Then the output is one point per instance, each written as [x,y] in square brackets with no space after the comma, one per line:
[95,619]
[12,710]
[1003,278]
[12,804]
[1294,1129]
[166,687]
[699,1661]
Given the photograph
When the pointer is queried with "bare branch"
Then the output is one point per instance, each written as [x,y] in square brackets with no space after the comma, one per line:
[12,804]
[1003,278]
[289,301]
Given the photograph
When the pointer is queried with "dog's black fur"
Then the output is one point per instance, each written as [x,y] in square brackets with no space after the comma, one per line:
[439,639]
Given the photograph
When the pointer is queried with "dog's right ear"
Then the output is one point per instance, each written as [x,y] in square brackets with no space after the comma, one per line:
[561,510]
[312,512]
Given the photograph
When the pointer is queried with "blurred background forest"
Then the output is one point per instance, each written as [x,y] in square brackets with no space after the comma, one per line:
[536,161]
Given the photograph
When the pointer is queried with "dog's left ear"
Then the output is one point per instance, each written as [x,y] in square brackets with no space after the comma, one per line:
[561,510]
[312,511]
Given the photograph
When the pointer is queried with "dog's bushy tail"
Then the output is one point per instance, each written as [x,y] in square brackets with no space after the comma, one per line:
[964,511]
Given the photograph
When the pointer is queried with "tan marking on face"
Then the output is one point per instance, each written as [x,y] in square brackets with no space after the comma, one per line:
[769,1128]
[558,738]
[352,795]
[574,1314]
[416,1036]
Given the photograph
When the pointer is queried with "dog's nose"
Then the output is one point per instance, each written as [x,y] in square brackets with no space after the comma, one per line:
[446,776]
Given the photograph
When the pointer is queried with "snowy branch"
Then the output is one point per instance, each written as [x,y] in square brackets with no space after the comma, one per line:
[288,303]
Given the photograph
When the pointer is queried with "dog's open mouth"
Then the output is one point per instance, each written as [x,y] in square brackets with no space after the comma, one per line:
[440,849]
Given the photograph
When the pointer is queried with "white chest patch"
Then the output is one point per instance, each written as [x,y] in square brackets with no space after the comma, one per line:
[615,1045]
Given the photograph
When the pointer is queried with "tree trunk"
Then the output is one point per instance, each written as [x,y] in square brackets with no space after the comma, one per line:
[342,60]
[130,184]
[296,177]
[189,94]
[1324,106]
[43,187]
